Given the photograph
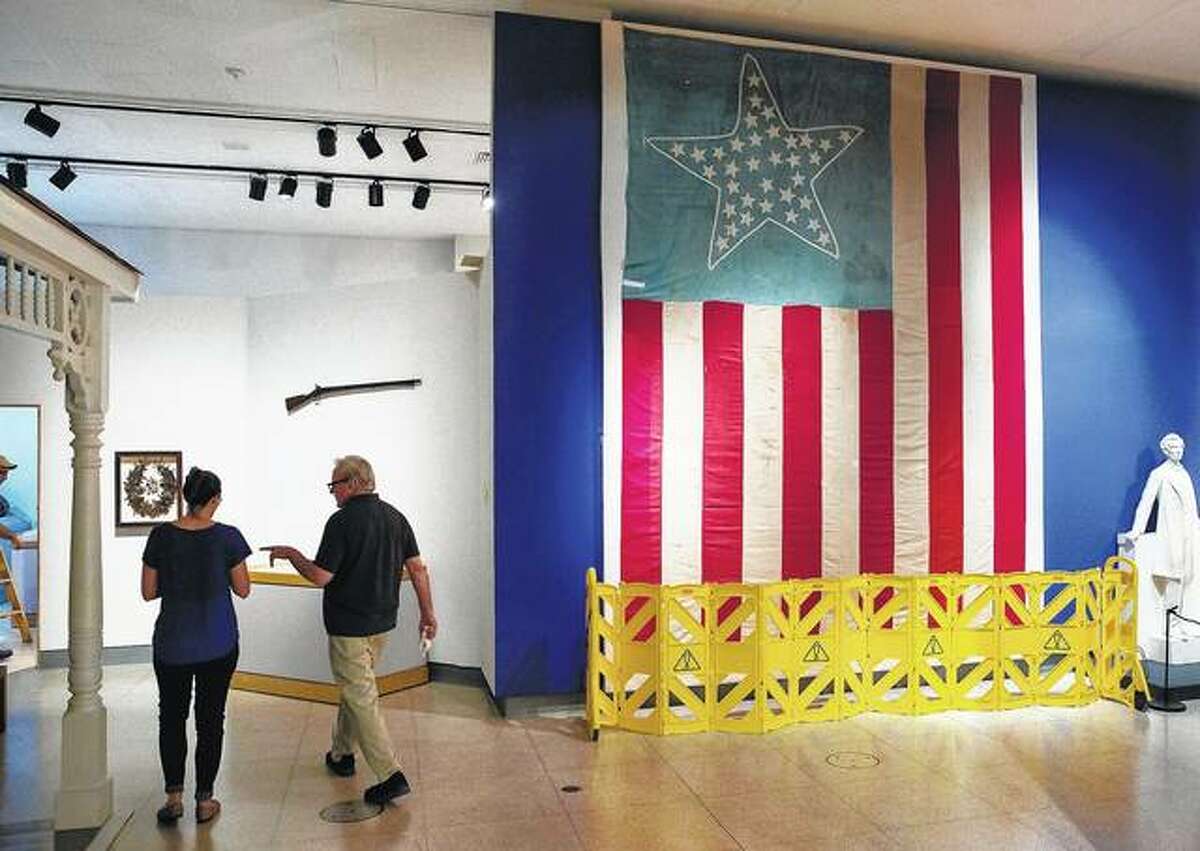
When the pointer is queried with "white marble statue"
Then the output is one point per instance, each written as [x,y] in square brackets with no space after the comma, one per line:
[1175,571]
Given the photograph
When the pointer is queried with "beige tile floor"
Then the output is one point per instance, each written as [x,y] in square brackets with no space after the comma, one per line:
[1099,777]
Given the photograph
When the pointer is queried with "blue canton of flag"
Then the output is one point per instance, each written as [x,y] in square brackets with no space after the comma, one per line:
[759,177]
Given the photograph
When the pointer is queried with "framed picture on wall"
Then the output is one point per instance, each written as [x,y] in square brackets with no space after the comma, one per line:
[149,488]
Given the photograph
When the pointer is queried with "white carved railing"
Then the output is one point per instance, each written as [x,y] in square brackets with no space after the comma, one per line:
[31,299]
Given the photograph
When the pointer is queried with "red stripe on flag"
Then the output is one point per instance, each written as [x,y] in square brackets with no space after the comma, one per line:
[724,406]
[944,265]
[876,510]
[642,434]
[1008,321]
[801,443]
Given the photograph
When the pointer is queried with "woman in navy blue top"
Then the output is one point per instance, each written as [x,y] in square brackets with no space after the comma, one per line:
[192,564]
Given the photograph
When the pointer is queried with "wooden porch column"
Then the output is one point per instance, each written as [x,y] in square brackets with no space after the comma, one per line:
[84,796]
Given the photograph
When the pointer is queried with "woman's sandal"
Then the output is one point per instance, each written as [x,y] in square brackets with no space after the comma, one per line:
[170,813]
[207,810]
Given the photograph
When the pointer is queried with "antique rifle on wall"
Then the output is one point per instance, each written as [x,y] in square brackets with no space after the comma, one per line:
[295,403]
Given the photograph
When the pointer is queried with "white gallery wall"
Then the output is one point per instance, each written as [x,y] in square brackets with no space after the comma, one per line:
[177,381]
[229,325]
[423,443]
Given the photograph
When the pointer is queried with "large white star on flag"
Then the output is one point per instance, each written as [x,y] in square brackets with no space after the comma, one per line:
[782,161]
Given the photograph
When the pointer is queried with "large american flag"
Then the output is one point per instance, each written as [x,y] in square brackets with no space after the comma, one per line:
[821,314]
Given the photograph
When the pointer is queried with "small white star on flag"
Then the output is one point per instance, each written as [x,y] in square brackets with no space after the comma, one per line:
[784,182]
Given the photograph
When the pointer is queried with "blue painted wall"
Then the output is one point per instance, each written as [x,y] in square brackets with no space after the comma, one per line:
[1119,175]
[547,350]
[19,443]
[1119,205]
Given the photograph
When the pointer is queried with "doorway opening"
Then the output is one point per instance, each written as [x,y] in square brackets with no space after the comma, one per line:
[20,517]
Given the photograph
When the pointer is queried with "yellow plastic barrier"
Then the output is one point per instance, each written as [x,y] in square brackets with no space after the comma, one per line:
[753,658]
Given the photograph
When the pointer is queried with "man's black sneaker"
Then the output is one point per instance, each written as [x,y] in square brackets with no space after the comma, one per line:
[5,652]
[393,787]
[343,767]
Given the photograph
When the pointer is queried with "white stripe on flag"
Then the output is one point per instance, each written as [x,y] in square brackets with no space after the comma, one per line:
[762,470]
[839,442]
[683,441]
[1035,551]
[615,167]
[910,321]
[979,465]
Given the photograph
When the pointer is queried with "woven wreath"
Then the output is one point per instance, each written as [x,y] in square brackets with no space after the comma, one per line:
[149,497]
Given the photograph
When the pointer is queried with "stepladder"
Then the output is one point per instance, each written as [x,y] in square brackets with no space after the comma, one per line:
[11,593]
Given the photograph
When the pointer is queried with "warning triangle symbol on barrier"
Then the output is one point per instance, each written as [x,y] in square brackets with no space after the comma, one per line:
[816,653]
[1057,642]
[686,662]
[933,647]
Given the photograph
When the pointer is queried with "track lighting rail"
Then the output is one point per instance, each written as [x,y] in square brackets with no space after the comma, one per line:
[243,170]
[311,121]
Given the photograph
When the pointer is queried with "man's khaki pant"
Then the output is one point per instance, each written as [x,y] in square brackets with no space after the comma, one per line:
[359,721]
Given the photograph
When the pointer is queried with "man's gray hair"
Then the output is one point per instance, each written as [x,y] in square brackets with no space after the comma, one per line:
[356,468]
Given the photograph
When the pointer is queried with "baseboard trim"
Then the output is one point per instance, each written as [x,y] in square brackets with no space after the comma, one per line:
[444,672]
[111,830]
[24,830]
[538,704]
[78,839]
[132,654]
[322,692]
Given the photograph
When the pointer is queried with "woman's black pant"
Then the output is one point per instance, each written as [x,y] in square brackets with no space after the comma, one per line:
[174,698]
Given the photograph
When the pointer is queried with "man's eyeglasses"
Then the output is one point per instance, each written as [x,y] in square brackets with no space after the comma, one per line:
[337,482]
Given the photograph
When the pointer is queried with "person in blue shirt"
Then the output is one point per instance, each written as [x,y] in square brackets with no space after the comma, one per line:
[12,522]
[192,564]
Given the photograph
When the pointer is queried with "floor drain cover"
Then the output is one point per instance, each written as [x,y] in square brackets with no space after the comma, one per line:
[852,759]
[344,812]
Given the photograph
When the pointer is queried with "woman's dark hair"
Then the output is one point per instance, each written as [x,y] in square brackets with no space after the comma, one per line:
[199,487]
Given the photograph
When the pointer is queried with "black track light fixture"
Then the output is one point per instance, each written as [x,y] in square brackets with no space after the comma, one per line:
[412,144]
[287,185]
[45,124]
[18,173]
[369,144]
[375,194]
[421,196]
[327,141]
[258,187]
[324,192]
[63,177]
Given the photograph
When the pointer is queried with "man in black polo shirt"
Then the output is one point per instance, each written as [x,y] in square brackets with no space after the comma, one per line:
[365,544]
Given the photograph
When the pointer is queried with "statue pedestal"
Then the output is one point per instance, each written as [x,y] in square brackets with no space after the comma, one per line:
[1147,552]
